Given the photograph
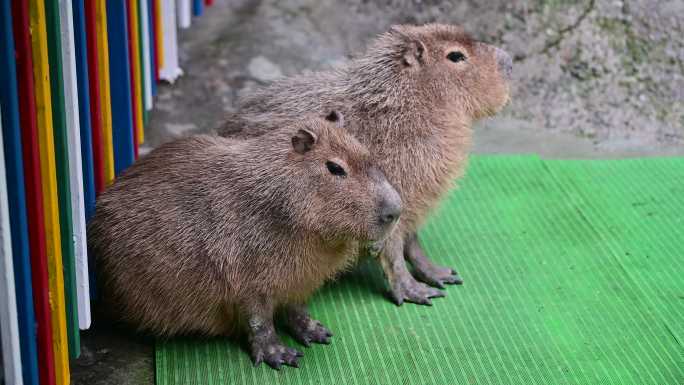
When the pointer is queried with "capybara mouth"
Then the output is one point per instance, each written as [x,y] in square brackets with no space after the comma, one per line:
[505,66]
[508,98]
[375,247]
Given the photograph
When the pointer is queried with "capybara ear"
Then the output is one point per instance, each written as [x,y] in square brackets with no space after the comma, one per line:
[414,53]
[335,117]
[303,141]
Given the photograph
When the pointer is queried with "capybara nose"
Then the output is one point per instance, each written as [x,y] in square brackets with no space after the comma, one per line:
[505,63]
[389,212]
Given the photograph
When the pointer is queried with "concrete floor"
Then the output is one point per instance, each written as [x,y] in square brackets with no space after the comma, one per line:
[513,136]
[218,68]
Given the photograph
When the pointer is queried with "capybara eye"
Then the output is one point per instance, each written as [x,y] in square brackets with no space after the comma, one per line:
[456,56]
[335,168]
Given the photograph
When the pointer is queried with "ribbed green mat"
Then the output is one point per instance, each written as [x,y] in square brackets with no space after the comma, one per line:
[574,275]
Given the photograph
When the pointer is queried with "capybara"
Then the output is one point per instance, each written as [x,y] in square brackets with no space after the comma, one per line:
[411,99]
[213,236]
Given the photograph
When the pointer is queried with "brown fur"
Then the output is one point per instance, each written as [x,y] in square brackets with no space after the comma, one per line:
[207,233]
[413,109]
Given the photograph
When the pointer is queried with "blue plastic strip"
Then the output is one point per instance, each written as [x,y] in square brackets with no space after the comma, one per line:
[83,107]
[119,71]
[14,166]
[197,7]
[153,42]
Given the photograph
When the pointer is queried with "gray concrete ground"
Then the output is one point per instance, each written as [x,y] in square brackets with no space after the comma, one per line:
[593,79]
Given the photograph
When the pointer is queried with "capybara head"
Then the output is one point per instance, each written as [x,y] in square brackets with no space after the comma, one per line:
[339,192]
[444,67]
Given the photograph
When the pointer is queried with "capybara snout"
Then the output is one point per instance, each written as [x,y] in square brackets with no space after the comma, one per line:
[505,63]
[389,203]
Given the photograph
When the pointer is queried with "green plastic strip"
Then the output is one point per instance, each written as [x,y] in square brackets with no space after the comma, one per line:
[641,216]
[550,296]
[62,160]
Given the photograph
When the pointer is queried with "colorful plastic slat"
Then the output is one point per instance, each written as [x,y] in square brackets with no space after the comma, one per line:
[147,57]
[95,98]
[134,59]
[73,137]
[184,9]
[84,108]
[9,326]
[159,33]
[197,7]
[105,93]
[61,142]
[49,184]
[11,193]
[170,70]
[141,65]
[42,352]
[122,113]
[154,73]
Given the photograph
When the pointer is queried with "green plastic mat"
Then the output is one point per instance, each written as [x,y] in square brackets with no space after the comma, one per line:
[574,274]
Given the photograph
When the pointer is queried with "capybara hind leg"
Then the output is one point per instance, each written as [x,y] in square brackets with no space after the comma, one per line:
[264,343]
[424,269]
[403,287]
[303,328]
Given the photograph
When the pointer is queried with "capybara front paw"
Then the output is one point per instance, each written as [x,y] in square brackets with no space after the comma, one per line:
[409,290]
[275,354]
[437,276]
[308,330]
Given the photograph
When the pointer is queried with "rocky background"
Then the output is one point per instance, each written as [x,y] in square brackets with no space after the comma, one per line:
[608,71]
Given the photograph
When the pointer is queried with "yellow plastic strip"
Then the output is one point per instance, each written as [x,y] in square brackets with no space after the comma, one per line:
[105,96]
[137,92]
[48,172]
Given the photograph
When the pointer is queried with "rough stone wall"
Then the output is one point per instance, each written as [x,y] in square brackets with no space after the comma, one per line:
[607,70]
